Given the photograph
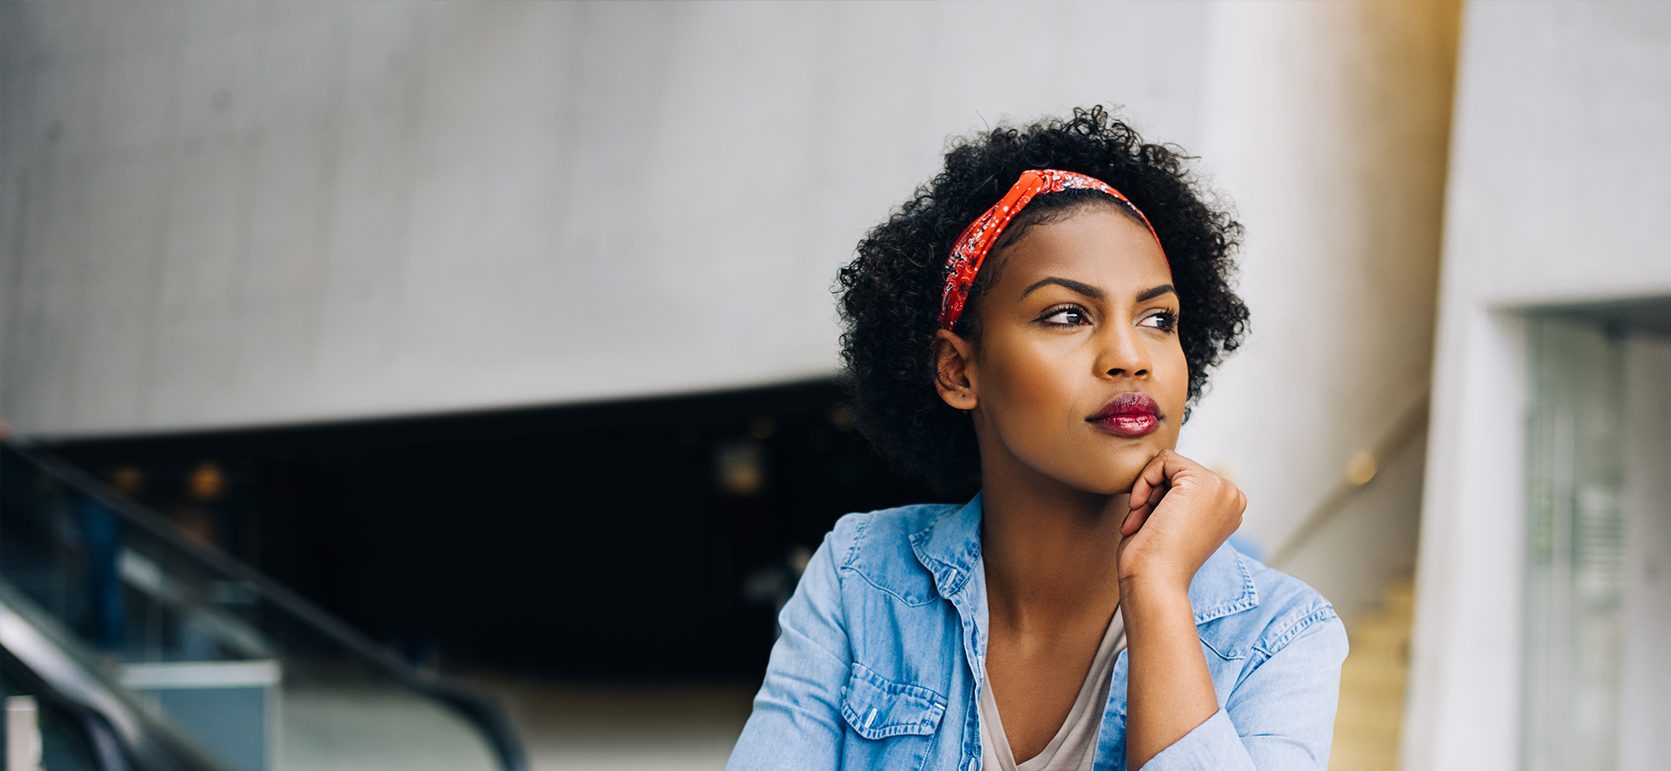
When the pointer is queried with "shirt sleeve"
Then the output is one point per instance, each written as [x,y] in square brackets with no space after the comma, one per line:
[1281,716]
[796,722]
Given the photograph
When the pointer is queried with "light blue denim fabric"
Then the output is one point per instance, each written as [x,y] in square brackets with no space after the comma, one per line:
[878,661]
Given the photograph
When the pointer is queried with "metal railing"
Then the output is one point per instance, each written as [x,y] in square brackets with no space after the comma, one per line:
[179,578]
[1359,472]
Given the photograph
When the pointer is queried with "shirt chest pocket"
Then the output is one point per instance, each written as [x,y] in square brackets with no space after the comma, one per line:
[877,707]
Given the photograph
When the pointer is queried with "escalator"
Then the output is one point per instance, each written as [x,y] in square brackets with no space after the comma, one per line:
[142,649]
[73,720]
[61,735]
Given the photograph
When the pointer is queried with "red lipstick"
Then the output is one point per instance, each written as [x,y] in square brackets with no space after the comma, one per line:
[1132,413]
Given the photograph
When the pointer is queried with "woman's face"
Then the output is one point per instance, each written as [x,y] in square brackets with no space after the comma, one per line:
[1082,310]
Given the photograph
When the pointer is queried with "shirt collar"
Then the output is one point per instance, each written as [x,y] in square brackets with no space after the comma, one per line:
[949,547]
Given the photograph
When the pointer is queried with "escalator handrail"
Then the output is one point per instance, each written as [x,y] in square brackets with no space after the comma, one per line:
[30,639]
[474,707]
[100,731]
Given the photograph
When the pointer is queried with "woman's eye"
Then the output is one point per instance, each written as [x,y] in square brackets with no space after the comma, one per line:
[1069,311]
[1168,321]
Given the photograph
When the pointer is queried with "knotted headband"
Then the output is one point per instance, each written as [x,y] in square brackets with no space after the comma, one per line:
[970,248]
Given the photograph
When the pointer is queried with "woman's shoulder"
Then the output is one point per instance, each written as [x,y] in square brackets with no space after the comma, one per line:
[886,528]
[1288,608]
[877,546]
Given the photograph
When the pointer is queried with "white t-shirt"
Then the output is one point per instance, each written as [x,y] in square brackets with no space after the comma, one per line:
[1074,746]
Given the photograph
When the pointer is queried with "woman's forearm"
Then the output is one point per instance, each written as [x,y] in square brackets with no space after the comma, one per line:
[1169,691]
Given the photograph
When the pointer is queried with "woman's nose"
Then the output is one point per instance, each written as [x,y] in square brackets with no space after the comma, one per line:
[1122,352]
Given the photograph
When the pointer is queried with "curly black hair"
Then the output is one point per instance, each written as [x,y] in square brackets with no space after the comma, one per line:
[889,295]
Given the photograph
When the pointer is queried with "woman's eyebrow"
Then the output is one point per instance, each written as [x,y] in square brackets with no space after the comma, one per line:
[1153,292]
[1093,292]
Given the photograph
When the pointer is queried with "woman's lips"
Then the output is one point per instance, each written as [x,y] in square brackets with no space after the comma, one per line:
[1129,424]
[1132,413]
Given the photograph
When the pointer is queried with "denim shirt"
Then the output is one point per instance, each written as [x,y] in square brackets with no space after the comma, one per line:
[880,648]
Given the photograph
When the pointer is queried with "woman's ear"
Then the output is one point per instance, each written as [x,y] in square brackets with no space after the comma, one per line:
[954,369]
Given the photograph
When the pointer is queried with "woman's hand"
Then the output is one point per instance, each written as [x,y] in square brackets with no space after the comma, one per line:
[1180,512]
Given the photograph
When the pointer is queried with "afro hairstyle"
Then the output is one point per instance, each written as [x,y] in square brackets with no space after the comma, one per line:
[889,294]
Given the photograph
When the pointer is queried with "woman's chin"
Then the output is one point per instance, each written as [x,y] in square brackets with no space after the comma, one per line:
[1113,482]
[1123,469]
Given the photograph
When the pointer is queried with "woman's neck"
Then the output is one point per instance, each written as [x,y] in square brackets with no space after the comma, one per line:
[1049,552]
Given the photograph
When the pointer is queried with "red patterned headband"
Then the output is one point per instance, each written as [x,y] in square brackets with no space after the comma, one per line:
[970,248]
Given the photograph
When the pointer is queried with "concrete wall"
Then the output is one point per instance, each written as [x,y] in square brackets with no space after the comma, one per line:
[1559,172]
[236,213]
[239,213]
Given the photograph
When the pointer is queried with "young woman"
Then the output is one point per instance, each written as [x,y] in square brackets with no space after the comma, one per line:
[1031,329]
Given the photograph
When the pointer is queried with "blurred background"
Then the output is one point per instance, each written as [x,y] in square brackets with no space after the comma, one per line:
[446,385]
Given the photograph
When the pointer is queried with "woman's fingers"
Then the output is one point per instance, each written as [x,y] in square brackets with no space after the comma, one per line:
[1133,521]
[1150,478]
[1152,484]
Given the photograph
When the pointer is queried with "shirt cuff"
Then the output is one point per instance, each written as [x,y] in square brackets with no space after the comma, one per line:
[1212,745]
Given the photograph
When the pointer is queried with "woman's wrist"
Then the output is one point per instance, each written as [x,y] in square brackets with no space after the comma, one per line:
[1139,597]
[1153,583]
